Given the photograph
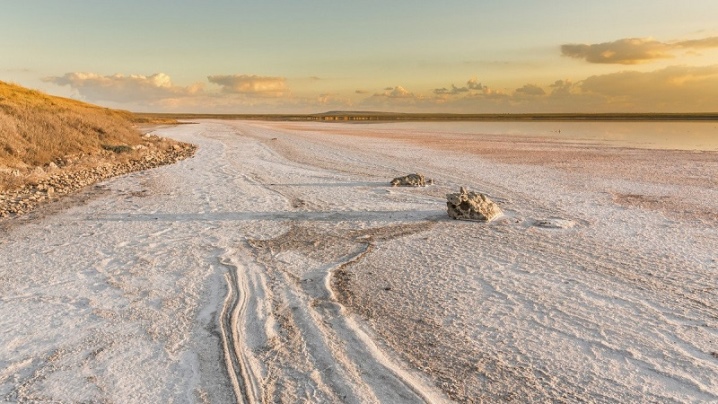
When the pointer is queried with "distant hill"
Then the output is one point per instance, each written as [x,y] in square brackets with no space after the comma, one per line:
[37,129]
[371,113]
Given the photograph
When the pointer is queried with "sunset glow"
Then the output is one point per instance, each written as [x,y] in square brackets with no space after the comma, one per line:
[304,57]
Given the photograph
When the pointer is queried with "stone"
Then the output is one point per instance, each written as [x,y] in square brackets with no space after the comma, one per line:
[469,205]
[411,180]
[38,171]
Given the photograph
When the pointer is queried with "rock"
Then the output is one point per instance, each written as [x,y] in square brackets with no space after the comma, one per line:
[411,180]
[38,171]
[471,206]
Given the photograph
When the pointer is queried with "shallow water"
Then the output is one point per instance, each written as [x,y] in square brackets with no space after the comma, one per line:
[645,135]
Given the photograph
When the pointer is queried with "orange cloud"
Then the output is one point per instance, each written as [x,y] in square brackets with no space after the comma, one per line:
[630,51]
[711,42]
[673,89]
[121,88]
[676,88]
[251,85]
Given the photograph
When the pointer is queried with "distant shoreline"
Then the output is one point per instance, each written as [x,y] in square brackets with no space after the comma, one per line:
[352,116]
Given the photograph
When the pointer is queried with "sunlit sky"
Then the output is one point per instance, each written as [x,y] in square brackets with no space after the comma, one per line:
[463,56]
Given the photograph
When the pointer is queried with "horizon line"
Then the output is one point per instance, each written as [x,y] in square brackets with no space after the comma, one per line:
[354,116]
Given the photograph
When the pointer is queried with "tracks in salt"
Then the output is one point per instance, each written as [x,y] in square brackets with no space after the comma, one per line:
[245,383]
[284,335]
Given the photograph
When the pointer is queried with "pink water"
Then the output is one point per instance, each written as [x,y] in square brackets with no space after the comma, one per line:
[647,135]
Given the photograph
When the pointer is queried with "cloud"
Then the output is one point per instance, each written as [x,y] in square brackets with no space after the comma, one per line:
[561,88]
[251,85]
[397,99]
[157,93]
[454,90]
[672,89]
[530,90]
[396,92]
[473,84]
[120,88]
[473,88]
[329,99]
[630,51]
[675,88]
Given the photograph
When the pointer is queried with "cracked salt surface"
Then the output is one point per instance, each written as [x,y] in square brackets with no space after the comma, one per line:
[277,265]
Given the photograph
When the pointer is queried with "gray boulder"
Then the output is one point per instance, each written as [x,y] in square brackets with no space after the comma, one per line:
[411,180]
[471,206]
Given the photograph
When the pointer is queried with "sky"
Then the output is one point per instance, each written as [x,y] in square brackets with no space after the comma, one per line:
[454,56]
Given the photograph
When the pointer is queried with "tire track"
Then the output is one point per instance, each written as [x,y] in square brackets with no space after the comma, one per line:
[247,388]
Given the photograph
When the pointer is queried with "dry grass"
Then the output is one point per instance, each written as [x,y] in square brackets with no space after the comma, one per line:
[37,129]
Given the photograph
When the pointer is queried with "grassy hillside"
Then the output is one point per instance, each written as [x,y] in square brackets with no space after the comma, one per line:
[61,145]
[37,129]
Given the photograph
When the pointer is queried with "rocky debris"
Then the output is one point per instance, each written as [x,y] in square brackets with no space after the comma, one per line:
[10,171]
[66,181]
[411,180]
[472,205]
[38,171]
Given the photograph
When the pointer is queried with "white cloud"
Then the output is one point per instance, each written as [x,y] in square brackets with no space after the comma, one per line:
[120,88]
